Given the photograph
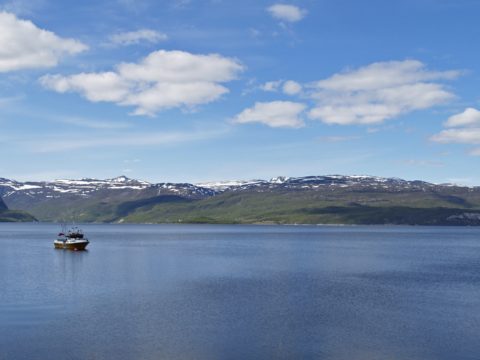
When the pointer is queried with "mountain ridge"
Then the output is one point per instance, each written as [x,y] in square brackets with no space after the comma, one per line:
[122,181]
[308,199]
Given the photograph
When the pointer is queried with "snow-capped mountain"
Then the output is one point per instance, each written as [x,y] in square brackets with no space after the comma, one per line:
[110,199]
[56,188]
[20,194]
[84,188]
[319,182]
[231,184]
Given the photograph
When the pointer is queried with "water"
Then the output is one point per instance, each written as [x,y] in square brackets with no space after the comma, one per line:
[241,292]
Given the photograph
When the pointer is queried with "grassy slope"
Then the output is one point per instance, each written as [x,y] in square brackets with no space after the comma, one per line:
[15,216]
[312,207]
[94,209]
[12,215]
[347,206]
[100,208]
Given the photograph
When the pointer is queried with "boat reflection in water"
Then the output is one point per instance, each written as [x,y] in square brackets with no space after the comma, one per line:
[73,239]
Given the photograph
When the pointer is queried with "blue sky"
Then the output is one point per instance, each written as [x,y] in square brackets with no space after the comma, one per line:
[190,90]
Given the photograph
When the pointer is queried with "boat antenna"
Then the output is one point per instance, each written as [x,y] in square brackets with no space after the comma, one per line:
[63,225]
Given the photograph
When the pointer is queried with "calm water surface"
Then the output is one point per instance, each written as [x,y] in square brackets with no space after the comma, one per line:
[241,292]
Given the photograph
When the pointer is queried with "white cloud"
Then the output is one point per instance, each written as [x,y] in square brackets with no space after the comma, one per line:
[25,46]
[380,91]
[289,13]
[463,128]
[288,87]
[461,136]
[291,87]
[181,67]
[135,37]
[273,114]
[106,86]
[271,85]
[162,80]
[469,117]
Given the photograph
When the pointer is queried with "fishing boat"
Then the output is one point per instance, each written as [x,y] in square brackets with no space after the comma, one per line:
[73,239]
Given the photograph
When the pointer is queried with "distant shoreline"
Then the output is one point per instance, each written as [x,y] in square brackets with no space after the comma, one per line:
[242,224]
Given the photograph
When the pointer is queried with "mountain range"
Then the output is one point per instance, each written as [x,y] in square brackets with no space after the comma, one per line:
[330,199]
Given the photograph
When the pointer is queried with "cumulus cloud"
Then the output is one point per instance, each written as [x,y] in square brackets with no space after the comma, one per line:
[379,91]
[469,117]
[463,128]
[289,13]
[461,136]
[135,37]
[273,114]
[162,80]
[25,46]
[291,87]
[106,86]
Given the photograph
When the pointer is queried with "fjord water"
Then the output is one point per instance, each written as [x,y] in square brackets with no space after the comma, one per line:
[241,292]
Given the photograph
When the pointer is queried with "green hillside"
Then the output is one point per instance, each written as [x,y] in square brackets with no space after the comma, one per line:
[301,201]
[12,215]
[311,207]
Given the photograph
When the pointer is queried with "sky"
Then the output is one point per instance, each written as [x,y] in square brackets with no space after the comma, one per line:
[205,90]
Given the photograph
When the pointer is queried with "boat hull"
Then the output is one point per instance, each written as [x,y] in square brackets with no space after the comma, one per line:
[75,246]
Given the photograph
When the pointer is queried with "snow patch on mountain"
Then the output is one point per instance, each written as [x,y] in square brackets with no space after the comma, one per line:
[315,182]
[87,187]
[55,189]
[228,184]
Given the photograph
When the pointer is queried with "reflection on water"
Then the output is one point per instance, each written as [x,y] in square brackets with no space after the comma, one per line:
[69,264]
[241,292]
